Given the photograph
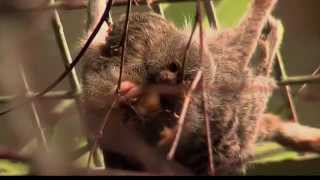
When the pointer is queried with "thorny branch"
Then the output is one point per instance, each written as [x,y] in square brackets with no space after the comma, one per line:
[105,17]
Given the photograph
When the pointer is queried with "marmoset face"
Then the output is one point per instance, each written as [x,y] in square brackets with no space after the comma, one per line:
[155,54]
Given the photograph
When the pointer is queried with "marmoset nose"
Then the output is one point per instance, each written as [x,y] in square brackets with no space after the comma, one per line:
[167,77]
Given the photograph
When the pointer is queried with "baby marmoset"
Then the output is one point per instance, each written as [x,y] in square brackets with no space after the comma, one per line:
[237,92]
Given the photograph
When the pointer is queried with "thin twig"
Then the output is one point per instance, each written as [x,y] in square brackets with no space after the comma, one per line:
[147,2]
[124,42]
[204,93]
[135,111]
[303,87]
[62,5]
[183,114]
[68,59]
[187,100]
[208,129]
[198,21]
[300,80]
[42,136]
[66,54]
[69,68]
[181,76]
[287,88]
[50,95]
[211,13]
[94,12]
[80,4]
[291,104]
[99,134]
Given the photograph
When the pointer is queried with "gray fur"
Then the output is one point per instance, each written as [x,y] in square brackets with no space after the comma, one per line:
[237,96]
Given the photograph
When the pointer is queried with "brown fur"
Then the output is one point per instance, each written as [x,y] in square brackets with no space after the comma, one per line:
[237,95]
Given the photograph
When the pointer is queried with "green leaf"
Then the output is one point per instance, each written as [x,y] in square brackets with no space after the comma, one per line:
[181,13]
[229,12]
[9,168]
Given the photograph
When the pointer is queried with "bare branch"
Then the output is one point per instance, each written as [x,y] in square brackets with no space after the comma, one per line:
[42,136]
[79,4]
[292,106]
[50,95]
[124,42]
[204,92]
[69,68]
[99,134]
[300,80]
[183,114]
[95,12]
[181,76]
[63,5]
[303,87]
[211,13]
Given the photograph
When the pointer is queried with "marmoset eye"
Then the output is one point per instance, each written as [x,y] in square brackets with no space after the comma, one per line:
[173,67]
